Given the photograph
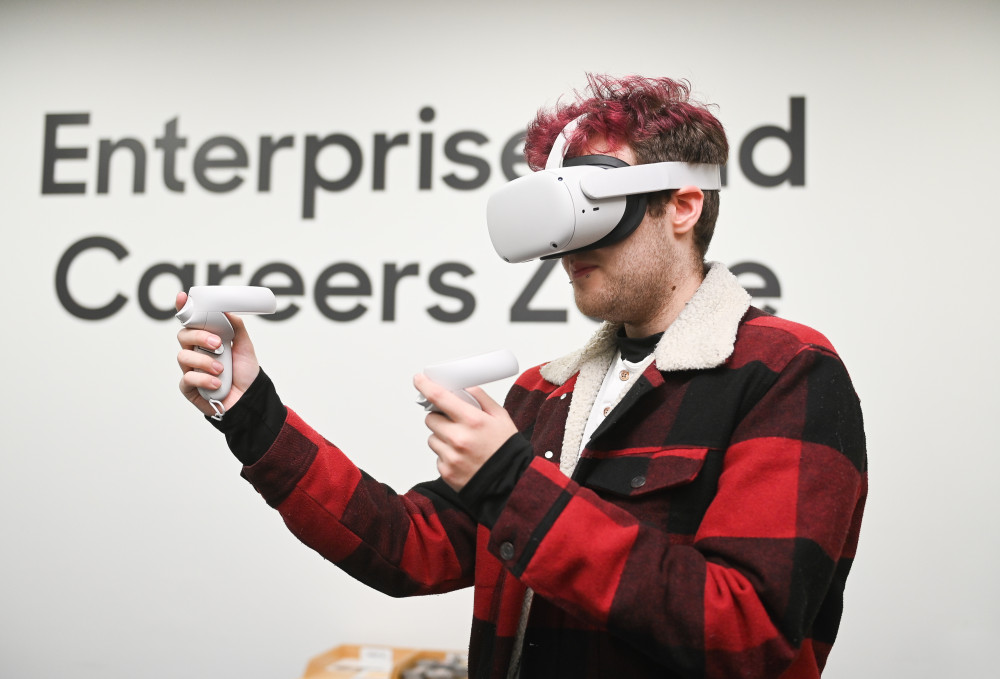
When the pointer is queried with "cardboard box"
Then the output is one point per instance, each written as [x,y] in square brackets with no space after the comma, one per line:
[356,662]
[434,664]
[353,661]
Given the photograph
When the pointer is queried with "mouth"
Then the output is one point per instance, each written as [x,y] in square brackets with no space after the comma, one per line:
[581,270]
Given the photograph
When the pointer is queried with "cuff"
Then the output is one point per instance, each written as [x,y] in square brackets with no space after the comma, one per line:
[486,493]
[253,423]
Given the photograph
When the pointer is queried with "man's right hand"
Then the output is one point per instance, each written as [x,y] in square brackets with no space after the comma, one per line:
[201,369]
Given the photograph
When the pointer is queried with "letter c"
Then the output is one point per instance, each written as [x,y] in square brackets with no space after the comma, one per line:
[62,275]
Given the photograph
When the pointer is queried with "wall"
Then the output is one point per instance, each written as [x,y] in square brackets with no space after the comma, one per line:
[131,547]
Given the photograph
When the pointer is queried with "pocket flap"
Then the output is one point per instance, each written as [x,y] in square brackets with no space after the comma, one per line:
[630,475]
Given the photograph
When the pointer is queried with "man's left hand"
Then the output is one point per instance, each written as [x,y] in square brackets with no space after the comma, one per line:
[462,436]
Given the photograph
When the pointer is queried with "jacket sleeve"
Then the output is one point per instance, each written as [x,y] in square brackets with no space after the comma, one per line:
[420,542]
[764,571]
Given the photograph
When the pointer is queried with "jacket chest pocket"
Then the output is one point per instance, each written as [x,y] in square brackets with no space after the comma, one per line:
[667,488]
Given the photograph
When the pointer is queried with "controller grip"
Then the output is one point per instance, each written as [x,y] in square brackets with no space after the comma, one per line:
[217,324]
[225,357]
[461,393]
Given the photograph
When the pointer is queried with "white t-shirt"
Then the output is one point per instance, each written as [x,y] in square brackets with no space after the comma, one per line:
[620,377]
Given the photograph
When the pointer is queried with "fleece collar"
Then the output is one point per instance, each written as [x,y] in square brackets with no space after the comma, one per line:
[701,337]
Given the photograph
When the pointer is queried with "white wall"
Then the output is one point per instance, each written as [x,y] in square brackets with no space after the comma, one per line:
[130,546]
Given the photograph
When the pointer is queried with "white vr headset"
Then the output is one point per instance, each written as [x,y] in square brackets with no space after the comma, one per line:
[581,204]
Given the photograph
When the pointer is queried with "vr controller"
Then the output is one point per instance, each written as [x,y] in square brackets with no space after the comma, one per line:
[469,372]
[581,204]
[206,309]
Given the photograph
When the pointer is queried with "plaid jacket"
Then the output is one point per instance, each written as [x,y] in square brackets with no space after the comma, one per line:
[707,531]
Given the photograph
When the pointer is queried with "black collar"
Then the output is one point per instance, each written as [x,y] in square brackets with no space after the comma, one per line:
[634,349]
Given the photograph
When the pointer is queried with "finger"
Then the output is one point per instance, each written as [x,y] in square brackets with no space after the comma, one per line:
[447,459]
[444,470]
[180,300]
[444,452]
[192,395]
[194,379]
[445,431]
[190,338]
[189,359]
[436,445]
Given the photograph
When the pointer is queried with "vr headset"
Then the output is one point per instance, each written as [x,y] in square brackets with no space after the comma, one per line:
[582,203]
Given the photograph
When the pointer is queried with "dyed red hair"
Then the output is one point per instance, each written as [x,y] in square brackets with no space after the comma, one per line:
[655,117]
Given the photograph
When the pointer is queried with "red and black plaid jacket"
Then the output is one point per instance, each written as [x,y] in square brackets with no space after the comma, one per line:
[707,531]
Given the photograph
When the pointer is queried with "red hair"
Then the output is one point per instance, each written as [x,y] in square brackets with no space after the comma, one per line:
[625,111]
[655,117]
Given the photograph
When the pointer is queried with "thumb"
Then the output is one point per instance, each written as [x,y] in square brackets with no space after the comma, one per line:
[239,328]
[181,300]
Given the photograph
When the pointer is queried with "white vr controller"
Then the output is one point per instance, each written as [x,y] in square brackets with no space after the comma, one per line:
[470,372]
[206,309]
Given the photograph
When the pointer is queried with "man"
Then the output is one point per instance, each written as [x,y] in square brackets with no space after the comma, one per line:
[680,497]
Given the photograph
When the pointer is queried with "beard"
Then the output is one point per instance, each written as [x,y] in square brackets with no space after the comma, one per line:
[628,290]
[622,300]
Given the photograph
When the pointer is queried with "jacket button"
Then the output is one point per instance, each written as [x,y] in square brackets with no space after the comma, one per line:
[638,481]
[506,551]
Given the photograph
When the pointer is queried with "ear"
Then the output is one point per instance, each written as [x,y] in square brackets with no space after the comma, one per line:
[687,202]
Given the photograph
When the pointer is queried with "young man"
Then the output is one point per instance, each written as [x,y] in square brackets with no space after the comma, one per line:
[680,497]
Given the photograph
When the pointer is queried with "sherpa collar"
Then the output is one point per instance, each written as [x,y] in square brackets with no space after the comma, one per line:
[701,337]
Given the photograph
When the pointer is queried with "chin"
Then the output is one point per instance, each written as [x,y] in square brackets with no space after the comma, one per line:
[594,308]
